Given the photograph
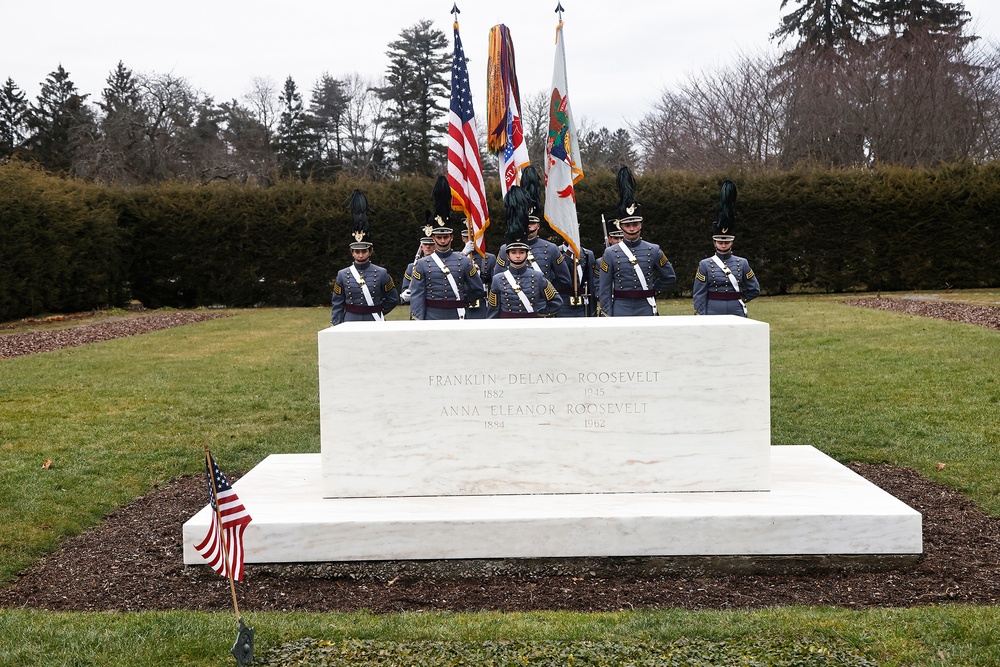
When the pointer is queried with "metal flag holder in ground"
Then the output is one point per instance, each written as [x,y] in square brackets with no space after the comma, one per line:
[243,648]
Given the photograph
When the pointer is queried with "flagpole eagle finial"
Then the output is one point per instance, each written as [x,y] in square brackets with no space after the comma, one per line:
[455,10]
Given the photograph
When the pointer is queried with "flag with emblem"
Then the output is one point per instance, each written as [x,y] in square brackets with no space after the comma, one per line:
[222,547]
[563,168]
[465,168]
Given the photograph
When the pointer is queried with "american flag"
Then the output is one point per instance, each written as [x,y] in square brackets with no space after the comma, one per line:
[465,169]
[228,541]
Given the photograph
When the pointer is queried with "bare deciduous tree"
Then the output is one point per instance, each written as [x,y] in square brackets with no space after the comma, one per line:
[364,127]
[262,101]
[535,124]
[717,120]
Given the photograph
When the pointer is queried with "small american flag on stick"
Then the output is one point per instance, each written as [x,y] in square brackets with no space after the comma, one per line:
[223,549]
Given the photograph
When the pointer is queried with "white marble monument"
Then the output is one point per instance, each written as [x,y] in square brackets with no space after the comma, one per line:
[534,406]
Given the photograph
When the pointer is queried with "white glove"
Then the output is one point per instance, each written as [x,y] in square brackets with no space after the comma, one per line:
[469,248]
[405,296]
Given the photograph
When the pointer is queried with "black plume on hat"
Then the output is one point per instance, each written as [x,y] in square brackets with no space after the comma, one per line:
[360,229]
[532,185]
[441,194]
[516,204]
[723,226]
[628,208]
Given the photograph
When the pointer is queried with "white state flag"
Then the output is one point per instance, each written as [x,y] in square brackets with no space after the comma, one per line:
[563,168]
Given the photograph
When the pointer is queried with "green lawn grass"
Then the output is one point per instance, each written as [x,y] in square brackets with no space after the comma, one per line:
[938,636]
[116,418]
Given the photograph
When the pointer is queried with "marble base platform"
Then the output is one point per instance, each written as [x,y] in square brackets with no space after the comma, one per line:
[815,506]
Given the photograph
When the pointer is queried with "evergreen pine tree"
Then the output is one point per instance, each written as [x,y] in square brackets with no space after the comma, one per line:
[293,132]
[824,24]
[60,111]
[325,123]
[122,93]
[120,153]
[13,115]
[603,150]
[417,82]
[899,18]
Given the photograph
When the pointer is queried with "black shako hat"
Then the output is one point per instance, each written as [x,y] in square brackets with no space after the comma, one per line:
[629,210]
[361,233]
[532,185]
[517,204]
[612,226]
[722,228]
[439,222]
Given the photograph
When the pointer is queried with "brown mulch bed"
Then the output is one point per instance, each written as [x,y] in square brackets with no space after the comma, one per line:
[33,342]
[985,316]
[134,561]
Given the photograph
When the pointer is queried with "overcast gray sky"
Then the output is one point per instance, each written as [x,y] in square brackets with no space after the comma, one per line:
[620,54]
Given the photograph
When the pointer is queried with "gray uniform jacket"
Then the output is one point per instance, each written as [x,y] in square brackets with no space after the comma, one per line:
[431,296]
[504,301]
[583,301]
[713,292]
[349,303]
[621,293]
[479,310]
[549,258]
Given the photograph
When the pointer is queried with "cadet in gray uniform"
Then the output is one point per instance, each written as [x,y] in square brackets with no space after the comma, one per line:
[632,270]
[519,290]
[425,248]
[724,282]
[580,300]
[445,282]
[543,255]
[363,292]
[478,309]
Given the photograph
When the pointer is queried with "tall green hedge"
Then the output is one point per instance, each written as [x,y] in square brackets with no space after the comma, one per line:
[60,244]
[67,245]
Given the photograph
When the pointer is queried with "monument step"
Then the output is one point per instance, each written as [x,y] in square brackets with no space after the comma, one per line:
[815,507]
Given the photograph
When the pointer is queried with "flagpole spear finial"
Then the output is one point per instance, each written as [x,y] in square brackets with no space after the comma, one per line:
[559,9]
[455,10]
